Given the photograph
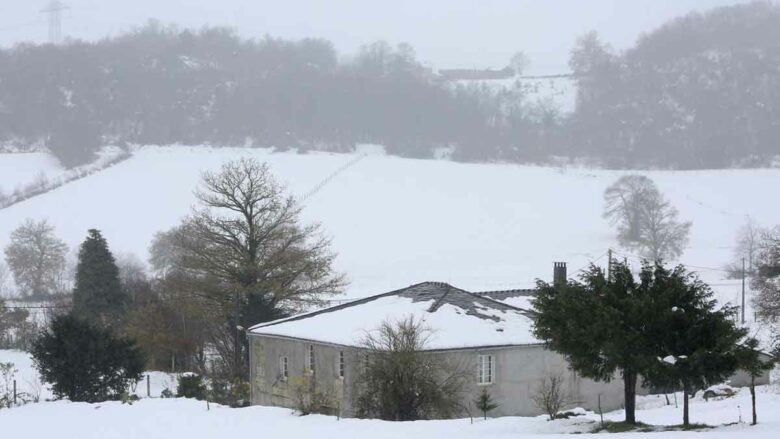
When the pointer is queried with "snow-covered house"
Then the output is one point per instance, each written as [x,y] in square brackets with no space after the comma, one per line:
[491,339]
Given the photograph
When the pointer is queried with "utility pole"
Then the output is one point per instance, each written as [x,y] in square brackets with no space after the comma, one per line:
[237,340]
[743,291]
[54,9]
[609,264]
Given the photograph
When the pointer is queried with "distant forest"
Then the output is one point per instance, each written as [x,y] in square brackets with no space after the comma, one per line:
[702,91]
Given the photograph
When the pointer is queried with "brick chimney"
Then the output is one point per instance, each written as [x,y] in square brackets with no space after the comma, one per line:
[559,273]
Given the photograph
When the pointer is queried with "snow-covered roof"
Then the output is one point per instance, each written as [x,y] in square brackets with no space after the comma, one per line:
[521,298]
[456,318]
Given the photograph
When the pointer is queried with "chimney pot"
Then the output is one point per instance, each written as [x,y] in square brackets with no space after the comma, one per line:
[559,273]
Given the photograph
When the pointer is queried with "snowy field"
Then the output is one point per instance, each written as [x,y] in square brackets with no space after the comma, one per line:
[396,222]
[182,418]
[20,169]
[28,380]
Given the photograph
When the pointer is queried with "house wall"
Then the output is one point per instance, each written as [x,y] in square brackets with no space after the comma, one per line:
[517,373]
[742,378]
[268,388]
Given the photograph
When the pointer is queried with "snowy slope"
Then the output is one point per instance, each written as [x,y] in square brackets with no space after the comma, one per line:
[19,169]
[397,222]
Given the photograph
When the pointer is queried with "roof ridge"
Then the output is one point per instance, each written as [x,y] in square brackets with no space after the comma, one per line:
[438,301]
[514,290]
[338,307]
[526,312]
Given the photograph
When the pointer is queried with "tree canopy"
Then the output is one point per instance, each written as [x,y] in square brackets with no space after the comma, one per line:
[662,325]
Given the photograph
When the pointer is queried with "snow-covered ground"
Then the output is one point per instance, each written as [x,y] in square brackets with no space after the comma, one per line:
[182,418]
[20,169]
[396,222]
[28,381]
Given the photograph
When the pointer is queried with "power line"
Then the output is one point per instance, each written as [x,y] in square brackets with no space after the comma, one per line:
[700,267]
[11,27]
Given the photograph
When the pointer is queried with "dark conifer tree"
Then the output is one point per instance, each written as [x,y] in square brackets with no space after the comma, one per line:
[697,343]
[599,324]
[98,295]
[83,362]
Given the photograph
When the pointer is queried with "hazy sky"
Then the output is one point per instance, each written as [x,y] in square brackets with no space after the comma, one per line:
[445,33]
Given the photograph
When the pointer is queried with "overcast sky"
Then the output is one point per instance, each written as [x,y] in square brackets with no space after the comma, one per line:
[445,33]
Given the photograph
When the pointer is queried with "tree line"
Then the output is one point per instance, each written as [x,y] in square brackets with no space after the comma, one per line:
[699,92]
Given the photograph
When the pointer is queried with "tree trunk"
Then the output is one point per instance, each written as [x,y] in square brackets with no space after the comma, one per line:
[629,394]
[753,398]
[686,421]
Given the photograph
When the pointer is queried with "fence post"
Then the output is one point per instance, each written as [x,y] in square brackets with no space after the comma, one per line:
[14,392]
[148,387]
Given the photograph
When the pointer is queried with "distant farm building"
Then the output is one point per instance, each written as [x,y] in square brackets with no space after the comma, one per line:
[475,74]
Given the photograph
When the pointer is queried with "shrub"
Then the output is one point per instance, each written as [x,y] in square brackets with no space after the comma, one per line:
[308,398]
[7,372]
[232,392]
[551,395]
[485,403]
[402,382]
[85,363]
[191,386]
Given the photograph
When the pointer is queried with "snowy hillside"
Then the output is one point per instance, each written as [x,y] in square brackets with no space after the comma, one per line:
[20,169]
[396,222]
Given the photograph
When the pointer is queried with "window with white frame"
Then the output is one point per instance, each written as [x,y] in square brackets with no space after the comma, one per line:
[283,370]
[341,366]
[485,369]
[310,359]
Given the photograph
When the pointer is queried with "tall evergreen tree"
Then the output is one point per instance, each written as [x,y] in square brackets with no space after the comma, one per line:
[599,324]
[697,343]
[98,295]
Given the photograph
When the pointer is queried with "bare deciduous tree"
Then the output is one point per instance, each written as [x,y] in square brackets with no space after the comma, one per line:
[402,382]
[646,221]
[246,233]
[551,394]
[36,258]
[244,255]
[766,281]
[5,280]
[747,246]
